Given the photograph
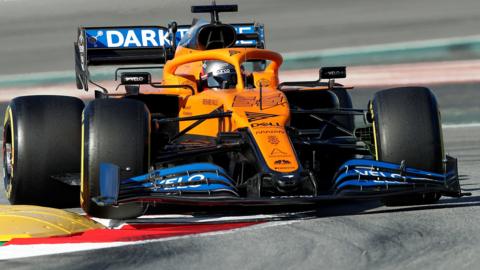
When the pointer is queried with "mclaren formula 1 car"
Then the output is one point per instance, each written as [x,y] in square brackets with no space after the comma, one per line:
[218,129]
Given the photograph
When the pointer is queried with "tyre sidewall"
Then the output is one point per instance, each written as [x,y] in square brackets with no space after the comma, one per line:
[115,131]
[45,135]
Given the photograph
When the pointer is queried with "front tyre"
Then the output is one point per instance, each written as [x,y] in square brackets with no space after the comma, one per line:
[407,127]
[41,142]
[114,131]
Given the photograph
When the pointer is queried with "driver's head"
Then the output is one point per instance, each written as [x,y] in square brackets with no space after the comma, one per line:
[219,75]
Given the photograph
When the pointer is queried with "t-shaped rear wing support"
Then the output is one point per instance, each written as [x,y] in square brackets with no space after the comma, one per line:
[214,9]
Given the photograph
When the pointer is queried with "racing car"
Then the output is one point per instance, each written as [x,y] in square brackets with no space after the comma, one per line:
[218,128]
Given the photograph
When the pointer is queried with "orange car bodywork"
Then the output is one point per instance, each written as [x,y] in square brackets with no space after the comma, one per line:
[266,121]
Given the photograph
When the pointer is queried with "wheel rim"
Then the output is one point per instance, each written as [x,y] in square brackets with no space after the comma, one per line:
[7,166]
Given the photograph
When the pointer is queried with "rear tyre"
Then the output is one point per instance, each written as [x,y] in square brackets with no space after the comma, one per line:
[41,139]
[115,131]
[407,127]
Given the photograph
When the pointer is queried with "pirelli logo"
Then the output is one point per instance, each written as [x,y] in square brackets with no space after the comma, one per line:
[254,116]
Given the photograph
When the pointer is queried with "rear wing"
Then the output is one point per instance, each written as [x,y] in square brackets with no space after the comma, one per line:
[142,45]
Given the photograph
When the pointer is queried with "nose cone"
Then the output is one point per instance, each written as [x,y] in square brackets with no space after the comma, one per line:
[288,181]
[299,183]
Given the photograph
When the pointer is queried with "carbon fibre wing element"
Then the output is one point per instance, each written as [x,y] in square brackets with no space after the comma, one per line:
[198,179]
[362,177]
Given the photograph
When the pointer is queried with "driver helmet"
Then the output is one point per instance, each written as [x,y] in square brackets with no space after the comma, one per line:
[219,75]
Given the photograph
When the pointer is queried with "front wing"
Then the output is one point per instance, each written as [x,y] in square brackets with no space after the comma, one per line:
[205,184]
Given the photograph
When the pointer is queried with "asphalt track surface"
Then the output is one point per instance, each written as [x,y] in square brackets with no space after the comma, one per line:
[360,235]
[356,235]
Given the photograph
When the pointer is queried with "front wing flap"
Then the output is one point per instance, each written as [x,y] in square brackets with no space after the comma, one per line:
[361,177]
[205,184]
[198,179]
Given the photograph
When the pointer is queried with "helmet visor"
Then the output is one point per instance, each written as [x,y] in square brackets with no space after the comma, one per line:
[222,81]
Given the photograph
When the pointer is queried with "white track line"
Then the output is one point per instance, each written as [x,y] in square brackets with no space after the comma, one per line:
[190,219]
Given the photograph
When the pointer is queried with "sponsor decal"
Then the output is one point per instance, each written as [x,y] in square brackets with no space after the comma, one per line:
[254,116]
[273,100]
[80,41]
[223,71]
[273,140]
[277,153]
[266,124]
[269,131]
[245,29]
[81,50]
[284,168]
[377,174]
[333,72]
[282,162]
[268,101]
[134,79]
[127,38]
[240,101]
[210,102]
[181,182]
[93,39]
[149,37]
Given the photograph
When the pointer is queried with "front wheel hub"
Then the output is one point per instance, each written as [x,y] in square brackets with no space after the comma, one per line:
[8,159]
[7,167]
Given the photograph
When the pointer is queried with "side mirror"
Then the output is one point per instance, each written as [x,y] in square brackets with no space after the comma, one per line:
[333,72]
[136,78]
